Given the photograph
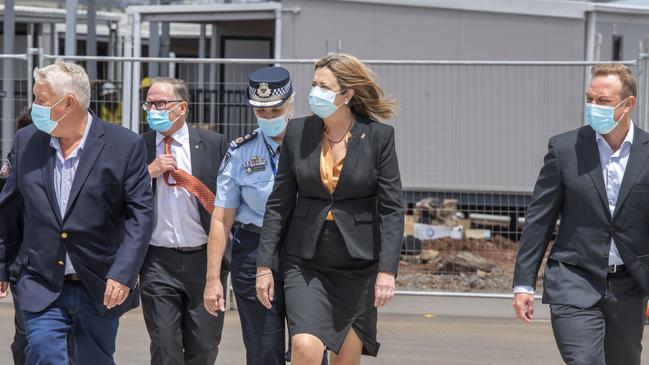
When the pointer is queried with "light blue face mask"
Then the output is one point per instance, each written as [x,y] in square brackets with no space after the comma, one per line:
[601,118]
[272,127]
[41,116]
[321,102]
[158,120]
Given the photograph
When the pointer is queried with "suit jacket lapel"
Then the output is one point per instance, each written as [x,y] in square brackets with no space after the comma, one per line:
[47,170]
[149,142]
[637,160]
[351,156]
[195,151]
[91,150]
[314,138]
[589,154]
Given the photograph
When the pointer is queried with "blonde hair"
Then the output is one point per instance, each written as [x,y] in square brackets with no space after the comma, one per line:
[66,78]
[622,72]
[353,74]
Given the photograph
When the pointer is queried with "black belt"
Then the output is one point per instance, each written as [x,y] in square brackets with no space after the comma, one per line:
[250,228]
[614,270]
[71,277]
[186,249]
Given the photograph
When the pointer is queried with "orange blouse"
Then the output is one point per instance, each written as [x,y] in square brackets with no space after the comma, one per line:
[330,169]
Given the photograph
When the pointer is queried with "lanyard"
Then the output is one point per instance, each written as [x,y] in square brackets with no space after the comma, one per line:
[271,154]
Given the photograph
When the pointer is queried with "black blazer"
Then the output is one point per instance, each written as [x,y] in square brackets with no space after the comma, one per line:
[207,150]
[367,204]
[107,226]
[571,184]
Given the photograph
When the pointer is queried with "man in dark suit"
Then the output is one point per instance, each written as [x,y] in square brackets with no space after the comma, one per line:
[183,163]
[597,275]
[83,193]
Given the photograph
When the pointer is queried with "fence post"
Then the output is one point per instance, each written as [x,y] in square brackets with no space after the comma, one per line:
[30,68]
[127,86]
[643,92]
[136,73]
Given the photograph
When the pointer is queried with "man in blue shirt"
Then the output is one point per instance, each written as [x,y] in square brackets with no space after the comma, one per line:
[84,197]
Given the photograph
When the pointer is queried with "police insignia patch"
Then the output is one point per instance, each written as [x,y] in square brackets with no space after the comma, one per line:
[255,164]
[242,140]
[224,163]
[5,169]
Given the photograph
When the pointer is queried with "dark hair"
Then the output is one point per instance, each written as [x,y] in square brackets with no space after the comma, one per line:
[24,119]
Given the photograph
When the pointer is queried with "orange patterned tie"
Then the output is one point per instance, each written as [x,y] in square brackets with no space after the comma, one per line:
[189,182]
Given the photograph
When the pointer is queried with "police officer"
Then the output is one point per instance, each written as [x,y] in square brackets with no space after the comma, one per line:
[244,183]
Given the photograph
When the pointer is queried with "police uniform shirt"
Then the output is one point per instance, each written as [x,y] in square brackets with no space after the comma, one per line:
[246,177]
[177,221]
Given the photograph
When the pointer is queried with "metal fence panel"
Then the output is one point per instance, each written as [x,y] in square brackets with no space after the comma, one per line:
[470,138]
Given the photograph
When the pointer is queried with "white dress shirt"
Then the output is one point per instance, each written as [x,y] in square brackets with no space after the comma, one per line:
[177,222]
[613,166]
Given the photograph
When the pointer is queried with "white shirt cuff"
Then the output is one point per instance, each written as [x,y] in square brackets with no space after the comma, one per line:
[524,289]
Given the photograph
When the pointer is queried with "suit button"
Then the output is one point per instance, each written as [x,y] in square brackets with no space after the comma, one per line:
[61,263]
[64,235]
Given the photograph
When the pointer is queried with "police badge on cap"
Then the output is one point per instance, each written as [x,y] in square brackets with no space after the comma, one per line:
[269,87]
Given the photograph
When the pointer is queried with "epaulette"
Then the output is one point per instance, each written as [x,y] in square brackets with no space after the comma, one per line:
[242,140]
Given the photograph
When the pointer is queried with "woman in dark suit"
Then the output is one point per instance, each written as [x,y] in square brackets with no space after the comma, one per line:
[336,213]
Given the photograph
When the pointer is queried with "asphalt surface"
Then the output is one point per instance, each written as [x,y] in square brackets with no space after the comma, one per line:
[412,331]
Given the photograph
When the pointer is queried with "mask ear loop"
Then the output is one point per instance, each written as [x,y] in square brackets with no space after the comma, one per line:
[623,114]
[64,115]
[174,108]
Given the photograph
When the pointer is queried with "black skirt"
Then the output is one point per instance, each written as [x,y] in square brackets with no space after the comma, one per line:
[331,293]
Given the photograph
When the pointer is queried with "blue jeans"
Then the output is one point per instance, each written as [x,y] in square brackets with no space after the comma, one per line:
[73,311]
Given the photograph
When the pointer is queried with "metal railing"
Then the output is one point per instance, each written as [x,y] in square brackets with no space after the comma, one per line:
[470,137]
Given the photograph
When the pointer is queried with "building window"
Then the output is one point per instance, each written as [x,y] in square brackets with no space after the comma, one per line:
[617,48]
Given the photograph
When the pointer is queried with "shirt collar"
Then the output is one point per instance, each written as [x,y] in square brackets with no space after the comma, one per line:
[55,143]
[269,141]
[627,140]
[181,135]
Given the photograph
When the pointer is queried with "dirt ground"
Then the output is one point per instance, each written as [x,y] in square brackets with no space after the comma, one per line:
[438,268]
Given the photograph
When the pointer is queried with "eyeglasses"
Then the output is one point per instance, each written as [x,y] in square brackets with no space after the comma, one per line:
[158,104]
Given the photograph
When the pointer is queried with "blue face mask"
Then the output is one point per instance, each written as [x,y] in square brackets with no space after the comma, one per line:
[601,118]
[41,116]
[272,127]
[321,102]
[159,119]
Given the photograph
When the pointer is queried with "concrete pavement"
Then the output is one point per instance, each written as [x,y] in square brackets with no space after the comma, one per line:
[413,330]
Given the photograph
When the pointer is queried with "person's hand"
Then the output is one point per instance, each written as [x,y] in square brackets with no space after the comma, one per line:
[213,298]
[162,164]
[524,306]
[265,286]
[115,294]
[384,289]
[4,289]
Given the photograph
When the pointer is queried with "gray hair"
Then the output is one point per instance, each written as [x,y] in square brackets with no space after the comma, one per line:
[179,87]
[66,78]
